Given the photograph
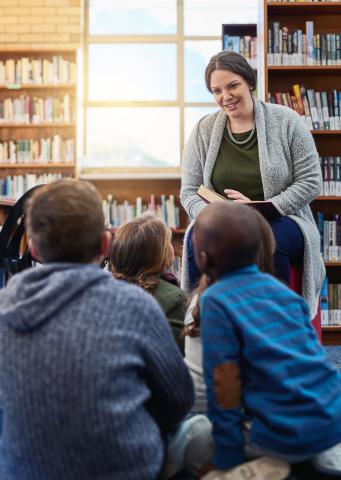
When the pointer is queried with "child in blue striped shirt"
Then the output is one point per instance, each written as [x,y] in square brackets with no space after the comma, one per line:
[270,389]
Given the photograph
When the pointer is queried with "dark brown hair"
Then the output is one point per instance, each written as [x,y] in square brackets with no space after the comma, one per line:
[140,250]
[232,62]
[65,221]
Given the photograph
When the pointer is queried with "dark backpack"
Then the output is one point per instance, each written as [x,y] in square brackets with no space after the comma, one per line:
[14,254]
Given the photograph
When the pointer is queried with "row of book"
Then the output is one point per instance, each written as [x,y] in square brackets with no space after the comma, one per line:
[330,303]
[330,236]
[331,174]
[295,47]
[37,71]
[15,186]
[116,214]
[43,150]
[321,110]
[26,109]
[245,45]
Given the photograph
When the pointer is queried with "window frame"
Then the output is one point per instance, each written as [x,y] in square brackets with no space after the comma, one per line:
[179,39]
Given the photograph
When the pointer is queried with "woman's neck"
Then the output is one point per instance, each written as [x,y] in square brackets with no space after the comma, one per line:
[242,124]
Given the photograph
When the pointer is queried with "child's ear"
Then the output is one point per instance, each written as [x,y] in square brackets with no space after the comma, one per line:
[106,240]
[205,262]
[34,252]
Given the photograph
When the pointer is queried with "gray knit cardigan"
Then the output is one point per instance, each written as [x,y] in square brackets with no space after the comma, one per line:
[290,172]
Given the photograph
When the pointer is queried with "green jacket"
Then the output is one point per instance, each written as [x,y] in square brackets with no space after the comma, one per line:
[173,302]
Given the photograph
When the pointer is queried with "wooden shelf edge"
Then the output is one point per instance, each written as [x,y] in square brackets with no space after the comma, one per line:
[272,68]
[36,125]
[327,199]
[27,86]
[325,132]
[331,328]
[304,7]
[36,165]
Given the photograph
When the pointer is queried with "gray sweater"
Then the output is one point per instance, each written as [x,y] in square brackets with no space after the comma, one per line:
[91,378]
[291,177]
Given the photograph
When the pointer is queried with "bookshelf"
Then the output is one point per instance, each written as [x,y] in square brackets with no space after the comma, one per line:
[241,38]
[125,189]
[37,117]
[277,77]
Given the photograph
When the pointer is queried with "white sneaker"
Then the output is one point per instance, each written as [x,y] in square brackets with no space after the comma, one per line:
[329,461]
[190,447]
[263,468]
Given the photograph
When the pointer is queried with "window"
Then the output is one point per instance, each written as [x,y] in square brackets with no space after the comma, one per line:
[144,71]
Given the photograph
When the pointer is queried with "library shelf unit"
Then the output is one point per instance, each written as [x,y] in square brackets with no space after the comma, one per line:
[238,30]
[44,81]
[280,78]
[130,188]
[241,30]
[5,205]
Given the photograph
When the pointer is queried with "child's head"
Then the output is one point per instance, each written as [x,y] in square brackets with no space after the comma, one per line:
[141,251]
[65,223]
[267,246]
[227,236]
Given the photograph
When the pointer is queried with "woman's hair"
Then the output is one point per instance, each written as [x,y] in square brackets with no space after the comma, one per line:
[264,262]
[232,62]
[140,251]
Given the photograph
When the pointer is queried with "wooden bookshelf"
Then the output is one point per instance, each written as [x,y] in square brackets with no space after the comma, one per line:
[129,189]
[280,78]
[17,131]
[240,30]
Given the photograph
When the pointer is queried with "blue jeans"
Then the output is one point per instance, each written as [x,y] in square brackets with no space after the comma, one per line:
[289,250]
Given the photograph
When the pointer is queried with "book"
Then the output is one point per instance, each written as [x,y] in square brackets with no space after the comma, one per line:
[265,207]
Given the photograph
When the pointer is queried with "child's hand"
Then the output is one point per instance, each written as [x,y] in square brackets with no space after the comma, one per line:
[236,196]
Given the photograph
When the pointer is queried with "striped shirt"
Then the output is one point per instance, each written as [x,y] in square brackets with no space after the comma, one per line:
[263,363]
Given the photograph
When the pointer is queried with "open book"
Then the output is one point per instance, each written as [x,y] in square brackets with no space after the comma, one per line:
[265,207]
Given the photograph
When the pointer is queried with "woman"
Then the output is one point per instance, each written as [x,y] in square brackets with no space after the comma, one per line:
[252,150]
[141,253]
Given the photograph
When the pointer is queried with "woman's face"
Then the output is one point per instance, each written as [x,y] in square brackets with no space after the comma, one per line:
[231,93]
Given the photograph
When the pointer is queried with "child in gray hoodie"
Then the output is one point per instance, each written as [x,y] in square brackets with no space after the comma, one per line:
[91,379]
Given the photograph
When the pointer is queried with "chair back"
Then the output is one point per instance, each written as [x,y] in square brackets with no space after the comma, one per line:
[14,252]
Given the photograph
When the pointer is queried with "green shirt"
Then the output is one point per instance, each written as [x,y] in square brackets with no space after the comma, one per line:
[237,167]
[173,302]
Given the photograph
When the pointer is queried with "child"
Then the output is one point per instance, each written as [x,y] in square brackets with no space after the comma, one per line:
[193,350]
[91,379]
[141,253]
[263,364]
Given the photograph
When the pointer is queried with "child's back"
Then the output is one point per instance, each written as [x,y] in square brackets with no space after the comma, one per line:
[258,339]
[268,381]
[84,362]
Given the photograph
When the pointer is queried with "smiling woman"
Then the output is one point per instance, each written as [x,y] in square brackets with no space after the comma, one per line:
[252,150]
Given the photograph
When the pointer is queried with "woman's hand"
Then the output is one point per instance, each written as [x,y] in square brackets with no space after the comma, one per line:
[236,196]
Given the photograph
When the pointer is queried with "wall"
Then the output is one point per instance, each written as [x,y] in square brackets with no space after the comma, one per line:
[40,23]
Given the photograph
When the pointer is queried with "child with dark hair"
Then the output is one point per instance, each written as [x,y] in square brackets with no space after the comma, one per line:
[92,382]
[142,253]
[191,332]
[270,388]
